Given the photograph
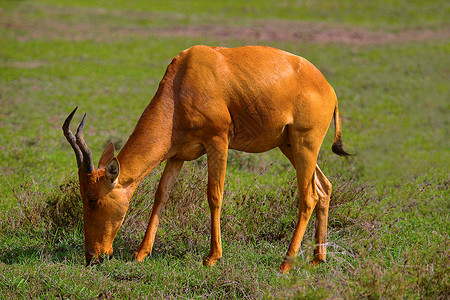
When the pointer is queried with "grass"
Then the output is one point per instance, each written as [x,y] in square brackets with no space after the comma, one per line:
[377,248]
[391,14]
[389,221]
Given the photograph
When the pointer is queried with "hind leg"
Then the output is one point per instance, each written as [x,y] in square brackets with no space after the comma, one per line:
[323,188]
[305,148]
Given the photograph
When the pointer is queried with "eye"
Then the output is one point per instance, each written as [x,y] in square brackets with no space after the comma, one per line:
[93,199]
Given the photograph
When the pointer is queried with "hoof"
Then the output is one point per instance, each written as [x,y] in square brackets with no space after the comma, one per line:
[210,261]
[287,265]
[285,268]
[316,261]
[137,257]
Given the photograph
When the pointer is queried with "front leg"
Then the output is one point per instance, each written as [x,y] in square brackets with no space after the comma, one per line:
[166,183]
[217,150]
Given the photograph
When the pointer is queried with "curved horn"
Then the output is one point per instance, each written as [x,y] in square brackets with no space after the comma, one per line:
[71,139]
[88,164]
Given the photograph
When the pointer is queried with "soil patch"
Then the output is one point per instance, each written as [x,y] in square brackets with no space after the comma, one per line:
[26,64]
[56,27]
[289,31]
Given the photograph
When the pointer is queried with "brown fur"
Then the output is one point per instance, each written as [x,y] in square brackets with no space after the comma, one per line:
[210,100]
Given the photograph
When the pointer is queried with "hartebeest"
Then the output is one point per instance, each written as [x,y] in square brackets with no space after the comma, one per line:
[212,99]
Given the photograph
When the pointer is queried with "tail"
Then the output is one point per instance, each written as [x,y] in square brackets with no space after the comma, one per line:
[337,144]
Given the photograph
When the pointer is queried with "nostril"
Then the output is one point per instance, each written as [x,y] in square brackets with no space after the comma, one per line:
[88,259]
[95,261]
[91,260]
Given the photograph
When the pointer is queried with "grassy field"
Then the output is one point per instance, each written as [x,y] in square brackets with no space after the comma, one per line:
[389,223]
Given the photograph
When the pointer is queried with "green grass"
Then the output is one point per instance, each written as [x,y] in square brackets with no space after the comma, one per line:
[390,14]
[389,221]
[391,246]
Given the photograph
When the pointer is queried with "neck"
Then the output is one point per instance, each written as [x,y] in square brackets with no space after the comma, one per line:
[148,145]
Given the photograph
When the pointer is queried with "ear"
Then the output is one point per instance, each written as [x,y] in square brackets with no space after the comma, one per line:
[107,155]
[112,170]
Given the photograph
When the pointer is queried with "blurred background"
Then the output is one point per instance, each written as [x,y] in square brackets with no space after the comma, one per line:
[387,60]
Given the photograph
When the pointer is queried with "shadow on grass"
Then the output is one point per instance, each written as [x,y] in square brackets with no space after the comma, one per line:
[27,254]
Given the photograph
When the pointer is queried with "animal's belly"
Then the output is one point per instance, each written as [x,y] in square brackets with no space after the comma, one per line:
[256,140]
[260,125]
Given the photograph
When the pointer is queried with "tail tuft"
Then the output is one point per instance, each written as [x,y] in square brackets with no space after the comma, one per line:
[337,144]
[337,147]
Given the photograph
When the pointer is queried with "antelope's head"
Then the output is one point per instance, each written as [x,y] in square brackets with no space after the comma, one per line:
[104,200]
